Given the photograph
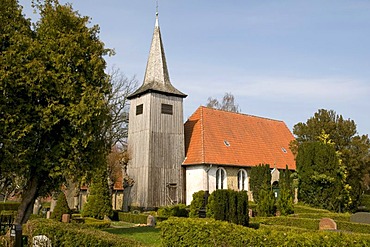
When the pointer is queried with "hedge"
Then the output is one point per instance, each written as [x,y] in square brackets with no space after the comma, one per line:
[63,234]
[133,218]
[334,216]
[209,232]
[178,210]
[9,206]
[312,224]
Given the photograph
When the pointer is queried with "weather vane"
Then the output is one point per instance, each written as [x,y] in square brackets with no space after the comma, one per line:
[156,7]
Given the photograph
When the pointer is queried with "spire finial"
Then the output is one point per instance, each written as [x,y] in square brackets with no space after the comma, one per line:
[156,14]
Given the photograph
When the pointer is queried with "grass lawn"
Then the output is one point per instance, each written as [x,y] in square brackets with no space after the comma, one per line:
[146,235]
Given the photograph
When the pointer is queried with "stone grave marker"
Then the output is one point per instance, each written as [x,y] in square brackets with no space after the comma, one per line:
[150,221]
[327,224]
[66,218]
[360,217]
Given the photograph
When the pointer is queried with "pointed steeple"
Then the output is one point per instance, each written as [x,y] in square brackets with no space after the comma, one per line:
[156,77]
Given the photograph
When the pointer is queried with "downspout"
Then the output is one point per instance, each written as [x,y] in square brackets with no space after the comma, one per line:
[206,194]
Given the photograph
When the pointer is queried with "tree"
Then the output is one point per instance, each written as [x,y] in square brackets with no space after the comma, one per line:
[61,207]
[284,202]
[122,87]
[353,149]
[54,111]
[322,178]
[266,204]
[260,176]
[99,200]
[228,103]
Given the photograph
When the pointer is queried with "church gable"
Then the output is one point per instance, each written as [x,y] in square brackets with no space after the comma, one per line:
[233,139]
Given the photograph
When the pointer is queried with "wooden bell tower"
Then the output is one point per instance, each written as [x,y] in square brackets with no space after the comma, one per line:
[156,135]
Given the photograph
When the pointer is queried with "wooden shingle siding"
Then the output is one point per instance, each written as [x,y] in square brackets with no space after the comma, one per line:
[156,146]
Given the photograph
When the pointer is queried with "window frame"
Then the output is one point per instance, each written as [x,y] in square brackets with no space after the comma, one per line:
[221,179]
[243,180]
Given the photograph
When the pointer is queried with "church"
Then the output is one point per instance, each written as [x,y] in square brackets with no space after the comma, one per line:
[214,149]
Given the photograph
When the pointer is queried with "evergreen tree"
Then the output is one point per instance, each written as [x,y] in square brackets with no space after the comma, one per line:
[353,149]
[266,204]
[61,207]
[99,201]
[197,204]
[285,200]
[260,176]
[322,178]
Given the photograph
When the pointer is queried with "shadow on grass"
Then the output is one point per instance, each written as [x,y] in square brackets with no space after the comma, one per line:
[147,235]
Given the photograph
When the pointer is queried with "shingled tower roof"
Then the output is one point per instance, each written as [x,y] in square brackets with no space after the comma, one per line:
[156,77]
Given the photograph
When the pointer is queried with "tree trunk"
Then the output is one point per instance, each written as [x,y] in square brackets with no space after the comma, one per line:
[29,195]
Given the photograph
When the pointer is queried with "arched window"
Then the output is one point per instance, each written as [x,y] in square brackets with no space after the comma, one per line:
[242,180]
[221,179]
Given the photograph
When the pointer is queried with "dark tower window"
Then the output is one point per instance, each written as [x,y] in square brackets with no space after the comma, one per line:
[166,109]
[139,109]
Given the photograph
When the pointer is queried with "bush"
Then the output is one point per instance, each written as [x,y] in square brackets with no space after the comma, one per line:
[61,207]
[178,210]
[208,232]
[75,235]
[259,177]
[9,206]
[197,204]
[266,203]
[99,201]
[133,218]
[229,205]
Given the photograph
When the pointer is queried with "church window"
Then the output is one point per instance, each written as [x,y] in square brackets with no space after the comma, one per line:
[221,179]
[139,109]
[242,180]
[167,109]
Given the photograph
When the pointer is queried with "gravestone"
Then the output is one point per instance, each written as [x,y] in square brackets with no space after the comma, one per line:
[360,217]
[41,241]
[150,221]
[48,214]
[66,218]
[327,224]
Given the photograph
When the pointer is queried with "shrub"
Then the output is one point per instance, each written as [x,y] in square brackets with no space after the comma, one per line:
[229,205]
[133,218]
[75,235]
[260,175]
[197,204]
[9,206]
[99,201]
[208,232]
[285,200]
[266,203]
[61,207]
[178,210]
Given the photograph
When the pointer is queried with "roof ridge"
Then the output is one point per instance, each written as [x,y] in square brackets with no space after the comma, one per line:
[243,114]
[202,134]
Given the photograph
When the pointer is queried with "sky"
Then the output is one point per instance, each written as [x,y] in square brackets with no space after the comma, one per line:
[282,59]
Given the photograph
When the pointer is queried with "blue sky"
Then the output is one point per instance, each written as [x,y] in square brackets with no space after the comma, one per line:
[280,59]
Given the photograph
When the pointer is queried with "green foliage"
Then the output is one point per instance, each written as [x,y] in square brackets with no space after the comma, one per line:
[320,179]
[353,149]
[13,206]
[137,218]
[208,232]
[75,235]
[53,92]
[61,207]
[229,205]
[259,176]
[197,203]
[99,201]
[178,210]
[285,200]
[266,204]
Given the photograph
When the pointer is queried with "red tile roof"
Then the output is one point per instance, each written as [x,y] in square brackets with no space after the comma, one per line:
[227,138]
